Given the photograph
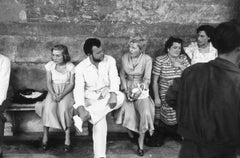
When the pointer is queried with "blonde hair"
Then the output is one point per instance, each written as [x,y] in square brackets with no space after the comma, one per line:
[140,40]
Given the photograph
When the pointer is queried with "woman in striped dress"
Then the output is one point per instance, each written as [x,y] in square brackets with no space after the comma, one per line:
[165,68]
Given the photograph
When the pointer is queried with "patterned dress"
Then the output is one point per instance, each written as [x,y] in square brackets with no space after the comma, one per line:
[138,115]
[55,114]
[164,68]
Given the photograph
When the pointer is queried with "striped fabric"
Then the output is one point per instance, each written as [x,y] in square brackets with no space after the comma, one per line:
[163,67]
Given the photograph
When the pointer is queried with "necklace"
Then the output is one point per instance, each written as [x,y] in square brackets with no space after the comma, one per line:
[134,61]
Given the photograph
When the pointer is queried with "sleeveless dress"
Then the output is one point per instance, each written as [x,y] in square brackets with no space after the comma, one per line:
[196,57]
[138,115]
[55,114]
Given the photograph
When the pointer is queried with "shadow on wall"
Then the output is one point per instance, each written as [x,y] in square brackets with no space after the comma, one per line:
[237,10]
[31,77]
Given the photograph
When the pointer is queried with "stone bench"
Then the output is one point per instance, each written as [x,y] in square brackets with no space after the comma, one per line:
[12,122]
[22,117]
[10,125]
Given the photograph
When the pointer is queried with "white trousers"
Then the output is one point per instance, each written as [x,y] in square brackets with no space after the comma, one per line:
[98,109]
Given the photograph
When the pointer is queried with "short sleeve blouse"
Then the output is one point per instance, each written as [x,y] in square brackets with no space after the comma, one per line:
[58,77]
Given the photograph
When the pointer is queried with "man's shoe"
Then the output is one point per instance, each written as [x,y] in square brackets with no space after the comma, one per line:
[78,123]
[140,151]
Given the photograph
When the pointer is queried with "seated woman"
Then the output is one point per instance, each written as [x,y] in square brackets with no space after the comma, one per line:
[137,112]
[165,68]
[202,51]
[60,83]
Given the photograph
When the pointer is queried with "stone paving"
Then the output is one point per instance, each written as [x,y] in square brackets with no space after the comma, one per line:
[29,146]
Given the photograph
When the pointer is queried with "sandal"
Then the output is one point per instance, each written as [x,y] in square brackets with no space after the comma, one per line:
[140,151]
[44,146]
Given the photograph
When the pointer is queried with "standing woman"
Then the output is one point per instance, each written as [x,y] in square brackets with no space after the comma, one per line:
[165,68]
[137,112]
[60,83]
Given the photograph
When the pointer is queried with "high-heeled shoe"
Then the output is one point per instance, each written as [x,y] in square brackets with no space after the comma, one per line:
[67,148]
[44,146]
[140,151]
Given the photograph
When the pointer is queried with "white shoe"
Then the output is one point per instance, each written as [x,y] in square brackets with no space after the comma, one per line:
[78,123]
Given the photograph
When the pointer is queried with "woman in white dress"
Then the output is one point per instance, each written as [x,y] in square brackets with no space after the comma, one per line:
[60,83]
[202,51]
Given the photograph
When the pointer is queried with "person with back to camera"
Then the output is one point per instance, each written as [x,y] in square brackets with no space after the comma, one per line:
[96,93]
[207,101]
[137,112]
[202,51]
[165,68]
[60,83]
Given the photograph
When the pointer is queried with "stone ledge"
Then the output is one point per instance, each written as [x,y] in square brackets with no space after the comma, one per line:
[21,107]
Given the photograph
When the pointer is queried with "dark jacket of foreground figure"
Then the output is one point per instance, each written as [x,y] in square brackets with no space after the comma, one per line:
[207,100]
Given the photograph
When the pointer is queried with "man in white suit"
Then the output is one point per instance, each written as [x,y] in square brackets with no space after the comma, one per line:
[96,92]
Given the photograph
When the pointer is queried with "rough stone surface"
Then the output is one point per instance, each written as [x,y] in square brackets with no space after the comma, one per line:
[134,11]
[12,10]
[118,146]
[28,75]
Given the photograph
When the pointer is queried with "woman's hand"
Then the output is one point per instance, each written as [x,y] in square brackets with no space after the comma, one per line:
[136,95]
[54,96]
[112,100]
[59,97]
[178,64]
[128,94]
[157,102]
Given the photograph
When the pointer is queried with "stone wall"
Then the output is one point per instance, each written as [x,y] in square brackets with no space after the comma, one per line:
[29,28]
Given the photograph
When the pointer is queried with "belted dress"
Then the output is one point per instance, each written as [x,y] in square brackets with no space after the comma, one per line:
[137,115]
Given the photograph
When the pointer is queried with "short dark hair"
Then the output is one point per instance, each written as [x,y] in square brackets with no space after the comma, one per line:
[89,43]
[209,30]
[170,41]
[227,37]
[64,49]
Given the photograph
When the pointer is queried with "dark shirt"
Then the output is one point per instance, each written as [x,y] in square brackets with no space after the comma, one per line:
[207,101]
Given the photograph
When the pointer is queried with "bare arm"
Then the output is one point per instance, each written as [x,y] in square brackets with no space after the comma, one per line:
[49,85]
[157,99]
[123,79]
[147,73]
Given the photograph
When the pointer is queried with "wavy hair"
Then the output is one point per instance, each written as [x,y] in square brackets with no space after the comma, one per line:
[64,49]
[140,40]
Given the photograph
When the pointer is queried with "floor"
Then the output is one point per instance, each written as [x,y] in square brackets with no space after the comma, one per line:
[118,146]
